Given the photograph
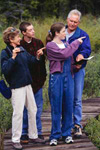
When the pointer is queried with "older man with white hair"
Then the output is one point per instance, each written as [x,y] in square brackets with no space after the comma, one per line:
[73,32]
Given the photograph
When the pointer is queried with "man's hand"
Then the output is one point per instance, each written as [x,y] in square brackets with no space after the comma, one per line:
[78,58]
[40,52]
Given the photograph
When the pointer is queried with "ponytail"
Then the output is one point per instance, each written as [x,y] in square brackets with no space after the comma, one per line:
[49,37]
[56,27]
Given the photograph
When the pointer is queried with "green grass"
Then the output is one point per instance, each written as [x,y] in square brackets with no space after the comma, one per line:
[92,26]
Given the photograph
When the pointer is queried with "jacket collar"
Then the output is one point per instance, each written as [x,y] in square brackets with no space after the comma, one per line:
[9,49]
[76,34]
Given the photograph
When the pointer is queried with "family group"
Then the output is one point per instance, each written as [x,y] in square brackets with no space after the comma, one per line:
[23,63]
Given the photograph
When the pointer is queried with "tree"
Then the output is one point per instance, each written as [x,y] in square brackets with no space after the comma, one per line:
[18,10]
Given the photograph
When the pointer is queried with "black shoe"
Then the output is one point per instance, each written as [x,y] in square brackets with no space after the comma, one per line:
[37,141]
[41,137]
[24,139]
[77,131]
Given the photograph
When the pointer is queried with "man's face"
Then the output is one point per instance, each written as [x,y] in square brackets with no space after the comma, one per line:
[73,22]
[30,33]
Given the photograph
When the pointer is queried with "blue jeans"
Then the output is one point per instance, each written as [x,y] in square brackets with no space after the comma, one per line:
[39,103]
[78,90]
[61,100]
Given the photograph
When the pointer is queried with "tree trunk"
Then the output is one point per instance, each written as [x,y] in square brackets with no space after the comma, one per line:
[1,141]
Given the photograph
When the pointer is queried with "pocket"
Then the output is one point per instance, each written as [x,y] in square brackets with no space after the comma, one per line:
[53,79]
[83,70]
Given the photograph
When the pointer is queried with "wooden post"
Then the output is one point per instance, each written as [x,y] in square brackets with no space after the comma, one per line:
[2,141]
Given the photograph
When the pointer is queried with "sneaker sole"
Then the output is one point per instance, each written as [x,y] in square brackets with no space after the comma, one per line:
[17,148]
[70,142]
[38,142]
[53,144]
[77,136]
[24,142]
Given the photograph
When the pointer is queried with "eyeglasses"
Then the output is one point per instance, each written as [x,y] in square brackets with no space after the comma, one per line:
[13,29]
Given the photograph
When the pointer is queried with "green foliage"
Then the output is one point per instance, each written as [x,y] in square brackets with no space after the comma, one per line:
[91,25]
[56,7]
[5,114]
[5,118]
[15,11]
[92,78]
[42,26]
[93,130]
[45,89]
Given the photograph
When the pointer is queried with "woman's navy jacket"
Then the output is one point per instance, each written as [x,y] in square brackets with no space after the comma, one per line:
[16,71]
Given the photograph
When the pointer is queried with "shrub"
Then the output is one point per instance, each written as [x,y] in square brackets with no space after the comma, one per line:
[93,130]
[5,118]
[92,78]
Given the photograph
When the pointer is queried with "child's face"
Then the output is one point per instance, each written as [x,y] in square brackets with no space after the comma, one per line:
[62,34]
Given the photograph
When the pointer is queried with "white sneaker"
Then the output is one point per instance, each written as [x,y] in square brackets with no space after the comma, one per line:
[53,142]
[69,140]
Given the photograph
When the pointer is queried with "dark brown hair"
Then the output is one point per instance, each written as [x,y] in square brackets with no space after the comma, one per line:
[56,27]
[10,32]
[23,26]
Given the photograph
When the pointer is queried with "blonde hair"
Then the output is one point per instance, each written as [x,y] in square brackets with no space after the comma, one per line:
[10,32]
[75,12]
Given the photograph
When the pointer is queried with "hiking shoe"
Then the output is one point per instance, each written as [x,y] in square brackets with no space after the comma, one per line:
[77,131]
[17,145]
[53,142]
[24,139]
[37,141]
[68,140]
[41,137]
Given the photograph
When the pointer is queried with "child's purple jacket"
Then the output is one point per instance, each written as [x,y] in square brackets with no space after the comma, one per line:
[56,55]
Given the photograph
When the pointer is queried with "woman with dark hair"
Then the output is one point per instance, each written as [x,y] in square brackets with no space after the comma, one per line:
[15,67]
[60,82]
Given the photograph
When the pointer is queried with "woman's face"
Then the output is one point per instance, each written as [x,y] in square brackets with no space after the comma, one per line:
[15,41]
[62,34]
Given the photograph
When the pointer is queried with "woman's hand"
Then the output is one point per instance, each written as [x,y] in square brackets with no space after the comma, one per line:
[81,39]
[15,52]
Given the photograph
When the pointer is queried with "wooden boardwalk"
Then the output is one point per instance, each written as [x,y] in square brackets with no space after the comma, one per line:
[91,108]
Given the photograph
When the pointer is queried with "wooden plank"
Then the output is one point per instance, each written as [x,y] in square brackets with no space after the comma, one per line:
[76,145]
[91,108]
[64,148]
